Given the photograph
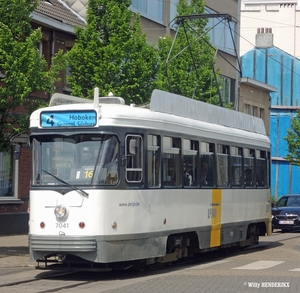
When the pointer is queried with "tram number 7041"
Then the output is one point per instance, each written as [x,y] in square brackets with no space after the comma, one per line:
[61,225]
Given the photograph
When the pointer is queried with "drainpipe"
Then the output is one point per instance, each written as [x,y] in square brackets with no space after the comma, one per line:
[52,45]
[52,51]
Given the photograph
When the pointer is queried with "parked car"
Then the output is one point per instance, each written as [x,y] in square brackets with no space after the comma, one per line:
[286,213]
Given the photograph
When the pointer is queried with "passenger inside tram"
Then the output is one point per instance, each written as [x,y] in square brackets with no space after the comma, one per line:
[248,177]
[187,177]
[206,174]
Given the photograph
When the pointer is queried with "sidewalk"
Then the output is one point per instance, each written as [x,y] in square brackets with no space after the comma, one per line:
[14,251]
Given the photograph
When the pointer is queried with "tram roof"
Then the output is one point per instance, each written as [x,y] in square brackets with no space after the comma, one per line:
[181,106]
[167,111]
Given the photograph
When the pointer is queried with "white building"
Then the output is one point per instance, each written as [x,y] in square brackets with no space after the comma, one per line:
[281,16]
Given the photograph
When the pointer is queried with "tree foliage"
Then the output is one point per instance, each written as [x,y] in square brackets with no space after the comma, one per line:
[112,53]
[23,69]
[293,141]
[189,68]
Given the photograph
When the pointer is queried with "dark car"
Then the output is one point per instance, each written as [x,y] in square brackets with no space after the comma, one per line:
[286,213]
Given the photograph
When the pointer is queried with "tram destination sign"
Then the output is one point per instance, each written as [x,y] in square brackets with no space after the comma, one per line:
[51,119]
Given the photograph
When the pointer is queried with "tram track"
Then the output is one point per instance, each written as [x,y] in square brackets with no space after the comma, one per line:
[154,278]
[20,286]
[24,280]
[46,281]
[23,277]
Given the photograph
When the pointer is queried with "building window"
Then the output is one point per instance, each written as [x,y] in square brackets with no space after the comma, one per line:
[220,36]
[262,113]
[152,9]
[246,109]
[226,84]
[140,5]
[6,174]
[254,111]
[173,10]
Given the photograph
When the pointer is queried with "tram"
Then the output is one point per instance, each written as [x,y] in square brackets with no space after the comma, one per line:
[108,180]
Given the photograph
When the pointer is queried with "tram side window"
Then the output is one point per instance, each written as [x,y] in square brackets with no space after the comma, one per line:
[222,165]
[190,152]
[249,174]
[106,171]
[236,167]
[207,164]
[134,156]
[153,161]
[171,161]
[261,168]
[35,155]
[190,159]
[268,170]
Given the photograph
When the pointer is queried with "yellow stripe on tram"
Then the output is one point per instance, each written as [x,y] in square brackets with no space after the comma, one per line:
[215,233]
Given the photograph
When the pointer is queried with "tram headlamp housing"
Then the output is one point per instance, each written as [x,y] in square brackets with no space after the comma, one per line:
[60,211]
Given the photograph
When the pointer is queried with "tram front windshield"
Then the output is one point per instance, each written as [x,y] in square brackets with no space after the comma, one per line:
[81,159]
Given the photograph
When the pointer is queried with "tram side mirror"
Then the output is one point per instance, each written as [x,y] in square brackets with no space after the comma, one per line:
[16,151]
[132,146]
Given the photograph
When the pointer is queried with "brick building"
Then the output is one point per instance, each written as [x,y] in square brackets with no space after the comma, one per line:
[57,22]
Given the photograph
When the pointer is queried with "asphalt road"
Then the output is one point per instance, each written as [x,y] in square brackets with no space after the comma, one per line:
[271,266]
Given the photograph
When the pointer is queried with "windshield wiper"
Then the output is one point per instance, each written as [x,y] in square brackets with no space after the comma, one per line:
[82,192]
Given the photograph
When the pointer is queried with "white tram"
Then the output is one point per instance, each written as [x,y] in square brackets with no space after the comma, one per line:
[108,187]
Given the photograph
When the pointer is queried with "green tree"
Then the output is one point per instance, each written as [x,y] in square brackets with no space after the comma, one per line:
[189,67]
[23,69]
[293,141]
[112,53]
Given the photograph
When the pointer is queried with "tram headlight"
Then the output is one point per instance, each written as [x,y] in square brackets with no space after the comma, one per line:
[60,211]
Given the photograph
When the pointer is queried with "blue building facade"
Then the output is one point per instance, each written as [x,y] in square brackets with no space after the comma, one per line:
[281,70]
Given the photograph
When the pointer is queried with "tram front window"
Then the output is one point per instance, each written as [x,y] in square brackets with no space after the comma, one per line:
[78,159]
